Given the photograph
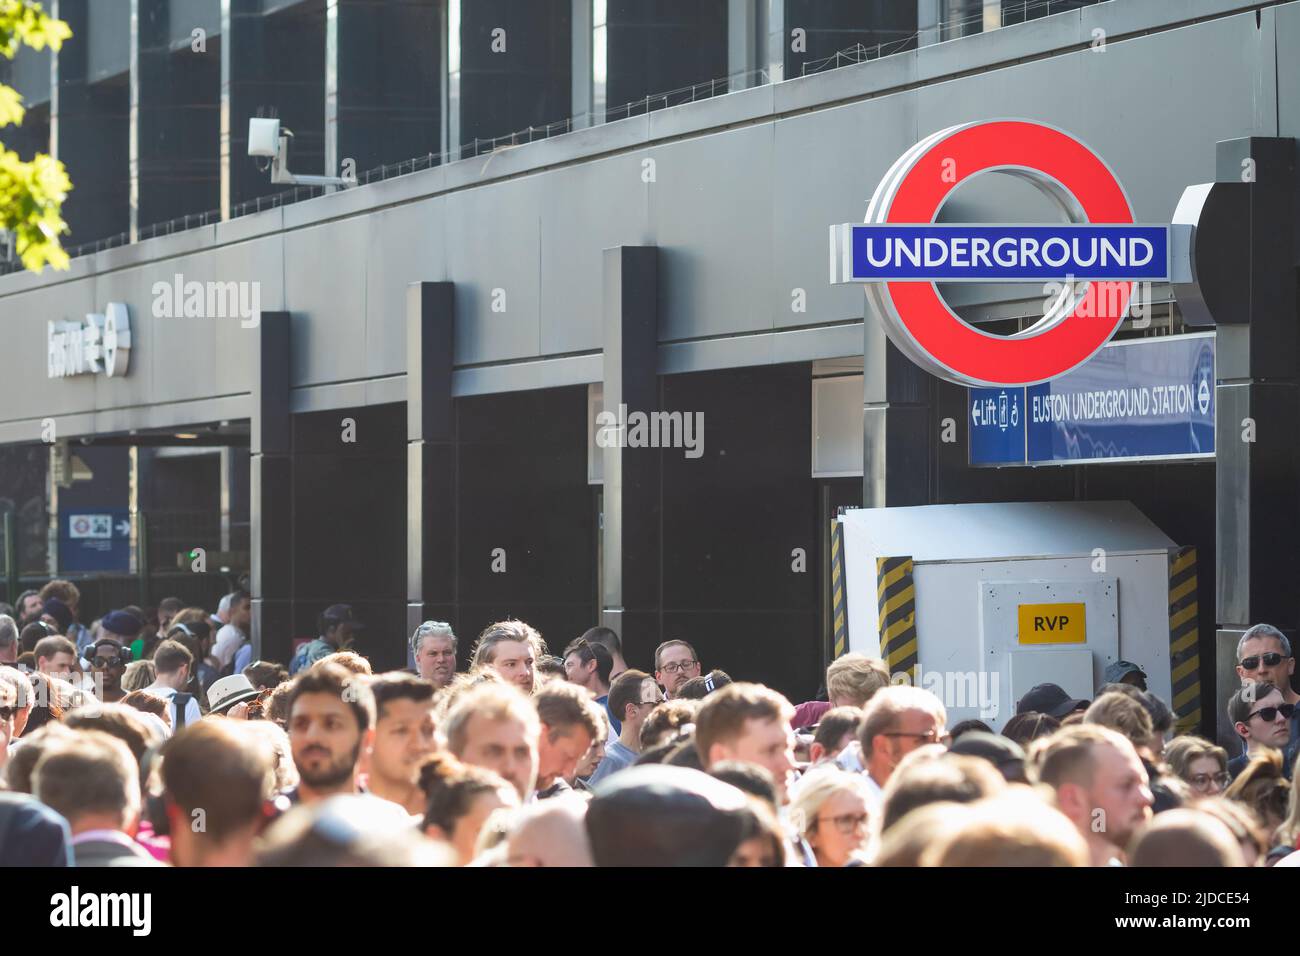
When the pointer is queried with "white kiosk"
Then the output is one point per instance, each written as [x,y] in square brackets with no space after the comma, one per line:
[980,602]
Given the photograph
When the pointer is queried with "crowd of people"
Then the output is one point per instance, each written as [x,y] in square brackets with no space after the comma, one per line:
[151,737]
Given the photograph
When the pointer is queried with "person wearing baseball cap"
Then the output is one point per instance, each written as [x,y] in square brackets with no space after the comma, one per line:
[337,625]
[1050,699]
[1125,672]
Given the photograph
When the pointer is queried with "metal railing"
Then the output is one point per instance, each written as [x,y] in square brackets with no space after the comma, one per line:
[1017,12]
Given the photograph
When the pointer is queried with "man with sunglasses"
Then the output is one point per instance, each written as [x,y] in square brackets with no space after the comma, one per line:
[108,660]
[1262,718]
[1264,654]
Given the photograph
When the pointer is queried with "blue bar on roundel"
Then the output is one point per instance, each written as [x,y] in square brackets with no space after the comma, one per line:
[1008,253]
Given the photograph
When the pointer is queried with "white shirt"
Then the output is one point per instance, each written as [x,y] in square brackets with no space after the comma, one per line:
[192,713]
[228,640]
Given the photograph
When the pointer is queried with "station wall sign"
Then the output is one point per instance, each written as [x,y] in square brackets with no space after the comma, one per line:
[99,345]
[1140,400]
[97,540]
[1099,253]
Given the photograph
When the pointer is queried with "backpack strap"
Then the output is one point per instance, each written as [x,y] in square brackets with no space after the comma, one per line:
[182,704]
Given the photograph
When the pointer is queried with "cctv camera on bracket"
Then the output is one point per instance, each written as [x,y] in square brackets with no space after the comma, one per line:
[267,140]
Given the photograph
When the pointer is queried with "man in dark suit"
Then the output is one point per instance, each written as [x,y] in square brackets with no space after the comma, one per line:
[94,782]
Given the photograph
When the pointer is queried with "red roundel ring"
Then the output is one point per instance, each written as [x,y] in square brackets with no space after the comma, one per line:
[914,190]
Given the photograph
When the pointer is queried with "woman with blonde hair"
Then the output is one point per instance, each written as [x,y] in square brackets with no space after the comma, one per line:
[831,810]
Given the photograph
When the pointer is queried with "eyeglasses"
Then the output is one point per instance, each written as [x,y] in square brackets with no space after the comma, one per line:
[649,703]
[848,822]
[674,667]
[1270,713]
[1252,662]
[929,737]
[1202,781]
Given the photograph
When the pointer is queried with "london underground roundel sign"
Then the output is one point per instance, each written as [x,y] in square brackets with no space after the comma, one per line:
[902,251]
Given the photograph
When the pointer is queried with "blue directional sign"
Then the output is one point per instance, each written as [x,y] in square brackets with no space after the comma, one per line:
[98,540]
[1140,400]
[997,426]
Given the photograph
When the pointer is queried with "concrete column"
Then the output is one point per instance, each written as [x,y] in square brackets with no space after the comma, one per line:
[450,27]
[928,15]
[746,42]
[431,457]
[1257,400]
[270,507]
[776,40]
[897,429]
[581,56]
[632,542]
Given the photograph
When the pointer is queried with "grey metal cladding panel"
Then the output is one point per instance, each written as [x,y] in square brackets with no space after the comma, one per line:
[32,75]
[325,292]
[110,38]
[28,394]
[1288,70]
[711,215]
[493,242]
[187,15]
[262,262]
[825,168]
[1166,99]
[406,246]
[585,209]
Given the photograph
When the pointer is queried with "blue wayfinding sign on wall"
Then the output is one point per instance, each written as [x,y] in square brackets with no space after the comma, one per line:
[98,540]
[1140,400]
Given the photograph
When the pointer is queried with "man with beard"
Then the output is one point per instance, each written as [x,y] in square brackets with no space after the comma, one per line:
[404,736]
[433,645]
[331,722]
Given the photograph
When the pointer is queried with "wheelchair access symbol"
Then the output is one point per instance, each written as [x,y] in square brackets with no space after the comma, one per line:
[902,251]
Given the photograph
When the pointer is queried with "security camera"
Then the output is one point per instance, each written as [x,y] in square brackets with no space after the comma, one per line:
[263,137]
[267,141]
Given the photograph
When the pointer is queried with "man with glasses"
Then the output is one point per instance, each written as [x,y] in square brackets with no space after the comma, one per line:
[1261,718]
[675,663]
[897,720]
[632,696]
[433,646]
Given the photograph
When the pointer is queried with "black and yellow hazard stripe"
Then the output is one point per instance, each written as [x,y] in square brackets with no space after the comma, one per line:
[1184,635]
[896,597]
[839,607]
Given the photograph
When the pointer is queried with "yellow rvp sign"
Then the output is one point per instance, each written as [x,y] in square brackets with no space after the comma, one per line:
[1052,624]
